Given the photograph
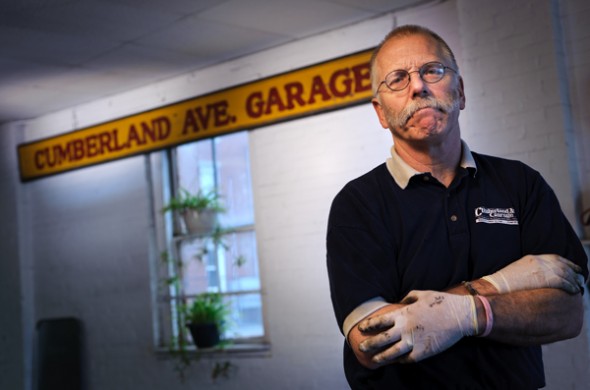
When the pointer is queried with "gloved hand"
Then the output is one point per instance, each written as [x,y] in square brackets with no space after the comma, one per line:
[430,323]
[538,271]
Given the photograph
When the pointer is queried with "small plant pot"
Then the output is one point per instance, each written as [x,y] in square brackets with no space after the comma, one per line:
[200,222]
[204,335]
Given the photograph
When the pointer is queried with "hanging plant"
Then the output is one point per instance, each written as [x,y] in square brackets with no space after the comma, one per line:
[199,210]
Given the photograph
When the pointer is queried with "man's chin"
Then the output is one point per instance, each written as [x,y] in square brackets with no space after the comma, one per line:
[435,131]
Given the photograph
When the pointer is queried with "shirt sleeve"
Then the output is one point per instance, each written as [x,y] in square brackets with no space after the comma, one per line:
[360,312]
[359,255]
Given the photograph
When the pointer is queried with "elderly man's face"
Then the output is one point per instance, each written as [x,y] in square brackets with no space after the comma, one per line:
[421,111]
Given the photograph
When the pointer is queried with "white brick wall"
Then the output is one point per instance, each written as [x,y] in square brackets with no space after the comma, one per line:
[575,15]
[295,181]
[12,354]
[88,230]
[515,108]
[83,240]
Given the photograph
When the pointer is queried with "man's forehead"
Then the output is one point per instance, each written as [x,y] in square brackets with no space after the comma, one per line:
[409,51]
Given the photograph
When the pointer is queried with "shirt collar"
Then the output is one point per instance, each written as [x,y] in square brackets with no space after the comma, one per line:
[402,172]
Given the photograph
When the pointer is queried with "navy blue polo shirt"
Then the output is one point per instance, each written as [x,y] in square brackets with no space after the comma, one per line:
[384,241]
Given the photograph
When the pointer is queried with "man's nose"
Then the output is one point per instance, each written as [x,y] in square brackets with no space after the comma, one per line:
[417,86]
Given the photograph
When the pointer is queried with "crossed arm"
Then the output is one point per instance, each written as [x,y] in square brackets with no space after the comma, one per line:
[534,301]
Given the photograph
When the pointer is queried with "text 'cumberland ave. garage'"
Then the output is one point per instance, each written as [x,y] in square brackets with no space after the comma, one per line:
[322,87]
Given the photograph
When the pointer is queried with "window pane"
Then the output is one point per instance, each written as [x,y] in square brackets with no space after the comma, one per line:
[233,176]
[246,320]
[199,267]
[196,169]
[239,263]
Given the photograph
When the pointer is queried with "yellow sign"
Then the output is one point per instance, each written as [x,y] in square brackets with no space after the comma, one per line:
[305,91]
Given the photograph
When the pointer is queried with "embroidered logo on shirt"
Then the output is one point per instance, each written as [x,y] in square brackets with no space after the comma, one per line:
[506,216]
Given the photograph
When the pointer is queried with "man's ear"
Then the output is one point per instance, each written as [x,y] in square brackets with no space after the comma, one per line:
[461,90]
[380,113]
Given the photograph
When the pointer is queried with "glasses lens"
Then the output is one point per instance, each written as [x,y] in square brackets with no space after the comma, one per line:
[432,72]
[397,80]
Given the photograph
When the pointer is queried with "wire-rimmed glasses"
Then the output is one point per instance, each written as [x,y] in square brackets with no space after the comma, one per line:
[430,72]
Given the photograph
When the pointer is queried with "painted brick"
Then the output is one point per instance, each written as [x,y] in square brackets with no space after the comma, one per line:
[87,229]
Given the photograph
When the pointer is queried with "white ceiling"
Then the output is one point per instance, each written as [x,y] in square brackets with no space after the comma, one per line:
[56,54]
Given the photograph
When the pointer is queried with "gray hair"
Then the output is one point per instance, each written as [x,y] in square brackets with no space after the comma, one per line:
[406,31]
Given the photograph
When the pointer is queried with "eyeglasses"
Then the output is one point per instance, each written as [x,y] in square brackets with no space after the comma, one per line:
[431,72]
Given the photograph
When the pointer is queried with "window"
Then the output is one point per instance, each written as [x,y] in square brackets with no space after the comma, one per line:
[222,165]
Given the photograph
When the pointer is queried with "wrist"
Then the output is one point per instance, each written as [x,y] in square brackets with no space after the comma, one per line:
[481,317]
[476,287]
[483,287]
[485,316]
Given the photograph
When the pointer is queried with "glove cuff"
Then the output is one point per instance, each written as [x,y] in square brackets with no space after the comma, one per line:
[494,280]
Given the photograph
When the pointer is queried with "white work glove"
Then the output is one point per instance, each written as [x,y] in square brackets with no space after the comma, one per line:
[430,323]
[538,271]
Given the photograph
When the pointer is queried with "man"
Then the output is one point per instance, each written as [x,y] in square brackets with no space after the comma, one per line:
[448,269]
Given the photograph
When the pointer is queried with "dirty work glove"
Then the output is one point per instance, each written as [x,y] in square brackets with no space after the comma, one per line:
[538,271]
[430,323]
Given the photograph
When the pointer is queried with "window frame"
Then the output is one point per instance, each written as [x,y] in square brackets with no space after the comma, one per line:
[169,330]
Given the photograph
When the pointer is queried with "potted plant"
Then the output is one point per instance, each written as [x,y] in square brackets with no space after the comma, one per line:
[205,318]
[199,210]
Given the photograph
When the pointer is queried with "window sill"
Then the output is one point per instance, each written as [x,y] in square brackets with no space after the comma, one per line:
[245,350]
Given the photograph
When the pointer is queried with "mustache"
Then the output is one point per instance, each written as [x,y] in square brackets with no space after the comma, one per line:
[428,102]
